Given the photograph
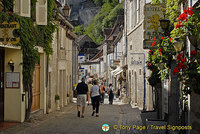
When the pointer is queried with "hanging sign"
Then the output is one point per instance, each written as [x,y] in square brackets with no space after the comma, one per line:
[6,33]
[153,13]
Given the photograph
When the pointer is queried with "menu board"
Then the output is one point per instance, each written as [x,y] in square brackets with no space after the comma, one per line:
[12,80]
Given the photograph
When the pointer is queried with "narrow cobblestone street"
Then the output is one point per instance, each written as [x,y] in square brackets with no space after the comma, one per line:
[66,121]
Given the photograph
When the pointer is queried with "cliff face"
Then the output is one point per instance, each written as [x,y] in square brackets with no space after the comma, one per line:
[83,11]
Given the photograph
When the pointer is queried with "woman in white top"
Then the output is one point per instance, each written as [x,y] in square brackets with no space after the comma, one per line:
[95,96]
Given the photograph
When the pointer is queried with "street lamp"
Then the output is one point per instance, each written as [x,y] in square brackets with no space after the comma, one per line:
[164,23]
[66,10]
[178,44]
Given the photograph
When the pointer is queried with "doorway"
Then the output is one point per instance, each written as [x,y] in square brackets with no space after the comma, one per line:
[36,89]
[2,56]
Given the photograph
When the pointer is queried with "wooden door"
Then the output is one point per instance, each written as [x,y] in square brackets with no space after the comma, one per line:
[1,84]
[36,89]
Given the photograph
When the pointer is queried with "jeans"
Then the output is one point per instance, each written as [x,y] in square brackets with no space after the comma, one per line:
[102,97]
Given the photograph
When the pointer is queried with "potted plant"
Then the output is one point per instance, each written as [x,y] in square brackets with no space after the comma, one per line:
[57,99]
[188,72]
[161,57]
[188,25]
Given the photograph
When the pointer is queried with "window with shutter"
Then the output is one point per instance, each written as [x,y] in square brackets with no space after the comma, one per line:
[22,7]
[41,12]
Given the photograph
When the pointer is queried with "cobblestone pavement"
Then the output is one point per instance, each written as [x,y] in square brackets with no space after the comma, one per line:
[65,121]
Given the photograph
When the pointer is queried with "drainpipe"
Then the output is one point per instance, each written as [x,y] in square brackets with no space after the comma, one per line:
[125,32]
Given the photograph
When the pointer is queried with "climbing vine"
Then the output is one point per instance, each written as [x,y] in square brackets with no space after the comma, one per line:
[172,10]
[30,37]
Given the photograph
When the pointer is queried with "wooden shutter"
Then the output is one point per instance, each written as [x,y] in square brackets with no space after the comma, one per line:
[41,12]
[22,7]
[25,8]
[17,7]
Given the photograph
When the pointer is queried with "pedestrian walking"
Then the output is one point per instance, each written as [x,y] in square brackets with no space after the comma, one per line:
[89,88]
[95,96]
[102,90]
[82,93]
[111,94]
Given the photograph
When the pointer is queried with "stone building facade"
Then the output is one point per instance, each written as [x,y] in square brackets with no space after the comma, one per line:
[140,91]
[60,66]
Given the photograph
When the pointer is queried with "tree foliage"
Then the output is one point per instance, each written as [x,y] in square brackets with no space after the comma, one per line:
[105,18]
[79,30]
[109,20]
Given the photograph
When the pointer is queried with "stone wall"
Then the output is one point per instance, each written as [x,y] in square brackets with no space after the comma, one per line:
[136,58]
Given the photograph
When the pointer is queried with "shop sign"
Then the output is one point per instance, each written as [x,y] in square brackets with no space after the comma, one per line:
[153,13]
[12,80]
[137,59]
[116,62]
[81,58]
[6,33]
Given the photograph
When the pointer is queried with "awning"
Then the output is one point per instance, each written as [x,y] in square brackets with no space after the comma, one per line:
[118,72]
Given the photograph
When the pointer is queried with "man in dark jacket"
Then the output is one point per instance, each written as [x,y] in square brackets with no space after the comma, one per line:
[82,93]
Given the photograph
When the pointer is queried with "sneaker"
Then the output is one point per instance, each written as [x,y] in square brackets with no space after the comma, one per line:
[79,114]
[93,113]
[82,116]
[97,115]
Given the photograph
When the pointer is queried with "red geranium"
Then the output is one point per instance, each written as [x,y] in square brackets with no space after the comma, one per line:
[154,43]
[179,56]
[160,50]
[170,39]
[150,51]
[162,38]
[183,60]
[180,64]
[193,52]
[149,64]
[154,38]
[183,16]
[189,10]
[179,25]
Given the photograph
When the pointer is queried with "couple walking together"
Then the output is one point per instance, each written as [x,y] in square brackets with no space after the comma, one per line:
[82,95]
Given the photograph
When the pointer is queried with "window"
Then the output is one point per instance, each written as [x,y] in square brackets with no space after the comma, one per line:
[137,11]
[61,38]
[22,7]
[140,71]
[131,14]
[131,47]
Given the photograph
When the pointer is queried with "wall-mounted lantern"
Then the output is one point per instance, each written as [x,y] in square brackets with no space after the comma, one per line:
[11,64]
[66,10]
[178,44]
